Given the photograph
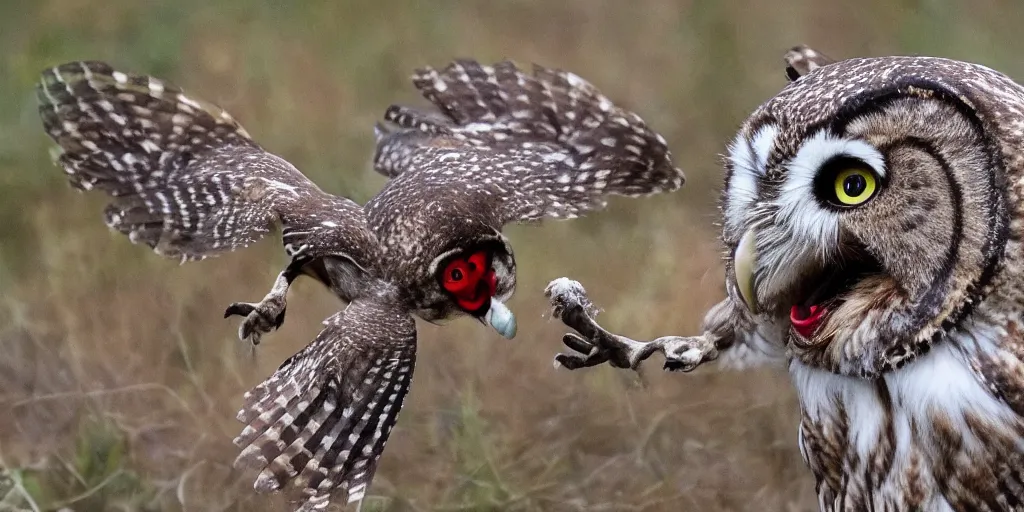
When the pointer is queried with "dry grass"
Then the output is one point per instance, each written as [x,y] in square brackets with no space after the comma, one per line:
[119,380]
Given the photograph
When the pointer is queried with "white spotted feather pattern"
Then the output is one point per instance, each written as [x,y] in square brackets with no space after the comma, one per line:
[184,178]
[547,144]
[326,413]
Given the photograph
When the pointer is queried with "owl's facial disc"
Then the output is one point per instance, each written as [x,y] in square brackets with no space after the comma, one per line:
[869,237]
[473,282]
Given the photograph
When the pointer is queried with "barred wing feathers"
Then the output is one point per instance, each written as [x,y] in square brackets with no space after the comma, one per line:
[184,177]
[321,420]
[546,144]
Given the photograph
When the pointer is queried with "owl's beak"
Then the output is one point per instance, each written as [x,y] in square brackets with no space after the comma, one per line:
[501,318]
[744,263]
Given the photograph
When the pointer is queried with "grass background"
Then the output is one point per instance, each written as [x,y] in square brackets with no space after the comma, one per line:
[119,380]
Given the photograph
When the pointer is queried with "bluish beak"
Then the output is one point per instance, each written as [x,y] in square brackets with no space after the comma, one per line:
[501,318]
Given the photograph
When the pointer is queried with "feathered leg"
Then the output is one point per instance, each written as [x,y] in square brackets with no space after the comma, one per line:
[268,314]
[570,304]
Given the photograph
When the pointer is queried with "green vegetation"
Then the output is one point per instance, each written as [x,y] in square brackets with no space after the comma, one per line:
[119,379]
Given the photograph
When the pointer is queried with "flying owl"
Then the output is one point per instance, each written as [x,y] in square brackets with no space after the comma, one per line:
[501,146]
[872,216]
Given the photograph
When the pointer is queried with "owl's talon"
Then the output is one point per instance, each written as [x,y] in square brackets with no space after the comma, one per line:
[239,309]
[577,343]
[266,315]
[594,345]
[260,318]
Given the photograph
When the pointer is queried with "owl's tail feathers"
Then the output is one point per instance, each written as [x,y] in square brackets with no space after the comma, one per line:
[319,431]
[171,163]
[609,148]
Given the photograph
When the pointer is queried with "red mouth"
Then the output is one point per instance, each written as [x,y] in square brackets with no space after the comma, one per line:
[807,320]
[470,281]
[480,295]
[822,292]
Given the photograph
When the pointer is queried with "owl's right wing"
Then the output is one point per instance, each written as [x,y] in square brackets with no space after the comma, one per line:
[546,144]
[184,177]
[319,424]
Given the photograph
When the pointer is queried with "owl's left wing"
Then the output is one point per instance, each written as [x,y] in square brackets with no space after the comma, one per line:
[546,144]
[319,424]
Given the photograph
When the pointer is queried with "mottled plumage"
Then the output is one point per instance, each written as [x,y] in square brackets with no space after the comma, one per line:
[897,306]
[502,146]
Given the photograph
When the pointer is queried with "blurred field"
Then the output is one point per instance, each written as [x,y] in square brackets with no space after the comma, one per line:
[119,380]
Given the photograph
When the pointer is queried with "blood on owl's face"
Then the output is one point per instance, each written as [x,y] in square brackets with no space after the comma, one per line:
[478,281]
[471,280]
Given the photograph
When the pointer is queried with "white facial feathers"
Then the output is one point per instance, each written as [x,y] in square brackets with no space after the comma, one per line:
[748,159]
[806,219]
[792,228]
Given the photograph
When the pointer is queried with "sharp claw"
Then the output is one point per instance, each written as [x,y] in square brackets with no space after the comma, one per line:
[574,361]
[677,366]
[240,309]
[279,320]
[577,343]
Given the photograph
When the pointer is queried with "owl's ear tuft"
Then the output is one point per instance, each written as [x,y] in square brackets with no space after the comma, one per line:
[801,60]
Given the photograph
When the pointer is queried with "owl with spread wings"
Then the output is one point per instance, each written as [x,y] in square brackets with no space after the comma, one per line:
[501,146]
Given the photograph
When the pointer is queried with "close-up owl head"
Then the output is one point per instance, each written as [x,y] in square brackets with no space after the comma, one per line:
[865,210]
[474,276]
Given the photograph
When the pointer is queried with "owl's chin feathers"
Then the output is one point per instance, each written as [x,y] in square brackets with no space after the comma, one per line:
[854,318]
[818,295]
[869,329]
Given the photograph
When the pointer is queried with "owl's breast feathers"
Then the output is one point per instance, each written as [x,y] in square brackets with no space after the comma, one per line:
[933,434]
[943,431]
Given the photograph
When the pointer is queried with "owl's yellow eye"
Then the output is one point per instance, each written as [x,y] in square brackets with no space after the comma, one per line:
[854,186]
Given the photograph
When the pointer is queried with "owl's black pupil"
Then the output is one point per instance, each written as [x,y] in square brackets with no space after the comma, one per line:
[456,275]
[854,185]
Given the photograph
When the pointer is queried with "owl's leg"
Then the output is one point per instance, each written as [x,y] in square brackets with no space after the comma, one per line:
[268,314]
[594,345]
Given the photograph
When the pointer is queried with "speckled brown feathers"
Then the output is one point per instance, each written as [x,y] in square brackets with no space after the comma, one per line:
[903,406]
[503,146]
[326,413]
[184,177]
[803,59]
[897,311]
[530,146]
